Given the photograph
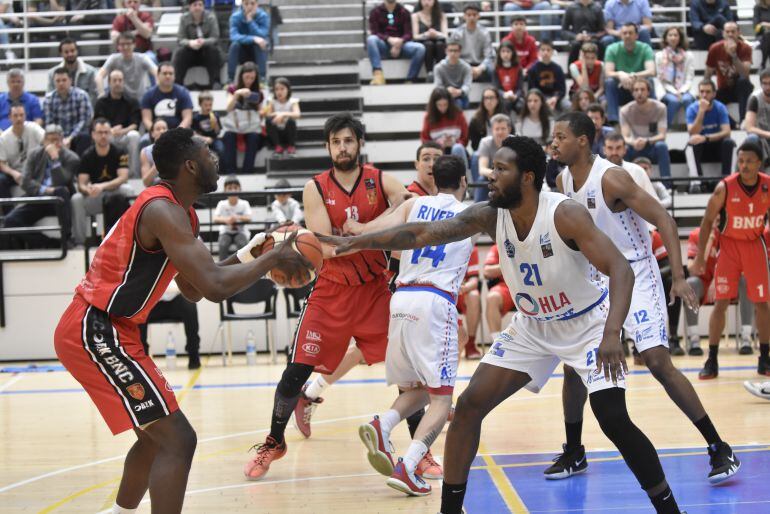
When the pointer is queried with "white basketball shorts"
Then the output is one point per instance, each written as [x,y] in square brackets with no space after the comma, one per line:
[646,323]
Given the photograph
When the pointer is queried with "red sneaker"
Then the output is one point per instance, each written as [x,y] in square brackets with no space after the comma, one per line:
[267,452]
[472,353]
[303,412]
[380,451]
[279,149]
[429,468]
[406,482]
[291,150]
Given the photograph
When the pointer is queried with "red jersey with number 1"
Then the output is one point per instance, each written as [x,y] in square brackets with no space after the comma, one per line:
[745,208]
[363,203]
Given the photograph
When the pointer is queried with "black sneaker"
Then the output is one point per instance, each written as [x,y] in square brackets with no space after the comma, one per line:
[724,463]
[763,365]
[193,361]
[674,348]
[571,462]
[695,351]
[710,370]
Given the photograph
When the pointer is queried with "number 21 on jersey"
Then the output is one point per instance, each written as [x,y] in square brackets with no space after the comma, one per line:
[530,272]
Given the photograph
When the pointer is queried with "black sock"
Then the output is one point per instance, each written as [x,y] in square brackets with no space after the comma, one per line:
[764,350]
[665,503]
[713,352]
[452,496]
[413,421]
[707,430]
[283,408]
[574,432]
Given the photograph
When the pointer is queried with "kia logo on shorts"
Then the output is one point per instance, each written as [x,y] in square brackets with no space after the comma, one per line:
[311,348]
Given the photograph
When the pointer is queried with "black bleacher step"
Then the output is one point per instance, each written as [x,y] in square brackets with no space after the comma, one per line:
[308,78]
[311,161]
[332,105]
[310,133]
[392,136]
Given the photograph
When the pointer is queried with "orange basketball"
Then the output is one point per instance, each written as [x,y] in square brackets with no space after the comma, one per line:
[306,244]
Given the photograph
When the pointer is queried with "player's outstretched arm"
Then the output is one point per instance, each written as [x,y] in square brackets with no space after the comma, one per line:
[384,221]
[477,218]
[619,186]
[715,205]
[166,223]
[576,227]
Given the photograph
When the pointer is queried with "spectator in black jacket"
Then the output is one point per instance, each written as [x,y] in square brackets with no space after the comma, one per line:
[761,23]
[548,77]
[583,22]
[198,37]
[708,18]
[124,114]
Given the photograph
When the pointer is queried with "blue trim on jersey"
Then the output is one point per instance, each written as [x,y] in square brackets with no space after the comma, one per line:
[590,307]
[434,290]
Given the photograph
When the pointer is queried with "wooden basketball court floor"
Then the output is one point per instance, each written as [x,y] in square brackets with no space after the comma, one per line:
[57,455]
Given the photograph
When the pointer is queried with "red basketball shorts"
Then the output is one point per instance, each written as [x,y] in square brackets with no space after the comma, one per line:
[106,356]
[738,257]
[335,313]
[501,288]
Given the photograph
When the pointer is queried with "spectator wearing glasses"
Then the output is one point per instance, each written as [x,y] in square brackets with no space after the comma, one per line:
[455,75]
[138,69]
[16,142]
[16,94]
[390,36]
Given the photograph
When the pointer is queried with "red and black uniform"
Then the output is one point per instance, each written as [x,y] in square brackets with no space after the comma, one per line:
[741,245]
[416,188]
[711,258]
[97,338]
[472,271]
[501,288]
[350,298]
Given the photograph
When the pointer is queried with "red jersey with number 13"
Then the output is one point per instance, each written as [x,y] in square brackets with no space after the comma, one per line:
[745,209]
[365,201]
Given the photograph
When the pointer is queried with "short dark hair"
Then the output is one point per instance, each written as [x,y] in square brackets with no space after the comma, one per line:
[285,83]
[471,6]
[764,74]
[17,105]
[597,107]
[166,64]
[427,144]
[579,124]
[173,148]
[707,82]
[126,36]
[519,18]
[231,179]
[545,42]
[340,121]
[751,146]
[61,70]
[614,136]
[632,24]
[67,41]
[99,121]
[529,157]
[447,172]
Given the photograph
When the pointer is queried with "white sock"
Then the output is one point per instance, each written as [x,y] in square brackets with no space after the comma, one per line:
[694,337]
[117,509]
[414,455]
[493,335]
[746,333]
[316,387]
[388,420]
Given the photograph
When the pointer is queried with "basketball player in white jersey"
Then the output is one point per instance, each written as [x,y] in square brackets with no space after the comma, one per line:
[422,350]
[543,238]
[622,210]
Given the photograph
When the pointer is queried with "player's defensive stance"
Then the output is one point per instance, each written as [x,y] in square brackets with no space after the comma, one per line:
[543,238]
[97,338]
[422,338]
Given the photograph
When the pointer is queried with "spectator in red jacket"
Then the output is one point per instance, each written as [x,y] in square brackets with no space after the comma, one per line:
[525,45]
[445,124]
[137,22]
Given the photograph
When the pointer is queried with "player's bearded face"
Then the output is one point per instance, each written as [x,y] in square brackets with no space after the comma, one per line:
[346,158]
[507,196]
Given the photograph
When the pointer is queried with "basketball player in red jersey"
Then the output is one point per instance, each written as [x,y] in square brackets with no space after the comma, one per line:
[351,298]
[97,338]
[745,199]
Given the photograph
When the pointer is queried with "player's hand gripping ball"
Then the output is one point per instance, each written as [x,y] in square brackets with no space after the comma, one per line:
[305,243]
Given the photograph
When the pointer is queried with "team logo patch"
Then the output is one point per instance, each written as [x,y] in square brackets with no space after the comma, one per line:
[723,288]
[313,336]
[591,199]
[545,245]
[136,391]
[311,348]
[371,190]
[510,250]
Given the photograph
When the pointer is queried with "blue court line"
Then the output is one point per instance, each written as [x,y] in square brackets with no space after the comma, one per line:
[255,385]
[32,368]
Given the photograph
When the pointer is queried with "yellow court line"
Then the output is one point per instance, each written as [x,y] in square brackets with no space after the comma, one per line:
[114,492]
[504,486]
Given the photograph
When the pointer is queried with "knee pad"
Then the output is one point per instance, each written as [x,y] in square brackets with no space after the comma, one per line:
[609,407]
[294,377]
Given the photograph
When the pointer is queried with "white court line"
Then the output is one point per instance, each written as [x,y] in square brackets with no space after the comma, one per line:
[10,382]
[334,420]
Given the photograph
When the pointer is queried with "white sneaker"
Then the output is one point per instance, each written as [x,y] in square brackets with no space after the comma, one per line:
[759,389]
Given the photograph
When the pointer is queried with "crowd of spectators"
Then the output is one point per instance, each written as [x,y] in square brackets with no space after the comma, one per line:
[94,128]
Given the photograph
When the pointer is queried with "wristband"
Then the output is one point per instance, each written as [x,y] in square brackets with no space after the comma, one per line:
[244,254]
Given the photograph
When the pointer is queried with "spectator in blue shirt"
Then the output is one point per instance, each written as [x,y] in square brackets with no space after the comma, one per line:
[708,124]
[249,34]
[16,94]
[707,19]
[619,12]
[70,108]
[167,100]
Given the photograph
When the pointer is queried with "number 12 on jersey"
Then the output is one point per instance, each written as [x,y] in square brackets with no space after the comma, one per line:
[435,253]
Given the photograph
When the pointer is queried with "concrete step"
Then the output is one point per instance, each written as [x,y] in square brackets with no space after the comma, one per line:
[290,4]
[321,9]
[318,24]
[321,53]
[321,37]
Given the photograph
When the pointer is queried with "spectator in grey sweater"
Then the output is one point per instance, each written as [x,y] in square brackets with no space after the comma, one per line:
[198,38]
[476,44]
[454,74]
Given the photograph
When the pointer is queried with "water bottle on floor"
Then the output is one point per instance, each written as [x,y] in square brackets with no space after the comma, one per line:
[170,351]
[251,349]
